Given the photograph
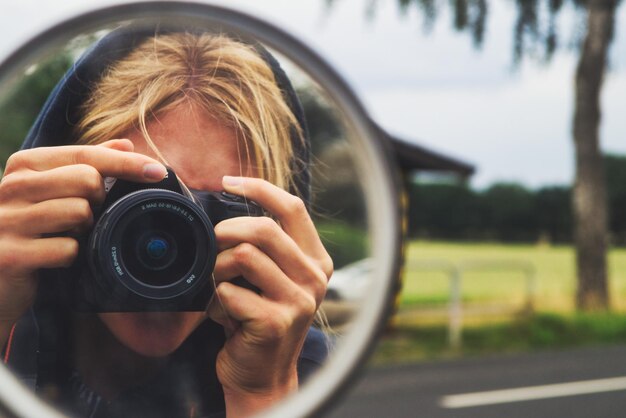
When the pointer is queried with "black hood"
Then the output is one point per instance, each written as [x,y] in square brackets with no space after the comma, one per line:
[61,112]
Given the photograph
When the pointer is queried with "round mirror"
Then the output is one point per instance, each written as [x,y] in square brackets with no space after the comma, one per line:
[121,327]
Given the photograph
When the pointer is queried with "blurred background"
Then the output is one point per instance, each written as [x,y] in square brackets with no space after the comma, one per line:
[506,118]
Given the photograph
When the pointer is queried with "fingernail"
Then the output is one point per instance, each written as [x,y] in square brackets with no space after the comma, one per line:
[154,171]
[232,181]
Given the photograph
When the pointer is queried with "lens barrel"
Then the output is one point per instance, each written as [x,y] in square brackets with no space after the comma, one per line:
[152,244]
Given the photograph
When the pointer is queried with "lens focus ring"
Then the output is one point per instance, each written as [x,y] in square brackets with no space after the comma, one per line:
[157,243]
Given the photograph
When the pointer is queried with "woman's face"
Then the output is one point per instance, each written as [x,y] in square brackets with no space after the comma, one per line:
[201,151]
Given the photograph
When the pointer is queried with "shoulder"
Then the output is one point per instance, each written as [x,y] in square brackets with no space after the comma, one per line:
[316,348]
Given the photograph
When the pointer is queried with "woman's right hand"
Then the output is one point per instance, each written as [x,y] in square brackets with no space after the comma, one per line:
[45,193]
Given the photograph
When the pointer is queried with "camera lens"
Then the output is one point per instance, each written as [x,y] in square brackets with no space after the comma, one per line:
[156,250]
[157,244]
[154,256]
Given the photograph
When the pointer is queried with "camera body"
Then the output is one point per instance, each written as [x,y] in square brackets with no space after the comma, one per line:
[152,248]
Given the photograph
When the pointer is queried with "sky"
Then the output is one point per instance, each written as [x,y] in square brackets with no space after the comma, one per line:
[430,87]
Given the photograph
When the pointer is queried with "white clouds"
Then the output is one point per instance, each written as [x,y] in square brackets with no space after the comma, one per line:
[614,123]
[514,131]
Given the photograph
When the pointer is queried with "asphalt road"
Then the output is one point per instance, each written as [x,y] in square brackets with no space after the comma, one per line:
[421,390]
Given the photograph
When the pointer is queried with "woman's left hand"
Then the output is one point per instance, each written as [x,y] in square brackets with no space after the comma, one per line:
[286,260]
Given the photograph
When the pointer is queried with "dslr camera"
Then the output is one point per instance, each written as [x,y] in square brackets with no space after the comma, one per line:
[152,248]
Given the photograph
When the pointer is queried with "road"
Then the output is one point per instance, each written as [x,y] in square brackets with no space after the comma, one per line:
[549,384]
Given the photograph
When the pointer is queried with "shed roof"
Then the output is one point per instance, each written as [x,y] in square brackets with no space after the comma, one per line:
[411,156]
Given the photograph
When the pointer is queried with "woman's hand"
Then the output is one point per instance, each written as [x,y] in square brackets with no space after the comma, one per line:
[266,331]
[46,193]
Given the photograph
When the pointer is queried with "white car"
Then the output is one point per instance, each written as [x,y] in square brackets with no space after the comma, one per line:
[350,282]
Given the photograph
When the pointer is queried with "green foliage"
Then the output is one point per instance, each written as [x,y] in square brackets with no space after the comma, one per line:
[615,166]
[336,192]
[344,243]
[341,202]
[553,213]
[21,106]
[505,211]
[445,211]
[322,120]
[510,212]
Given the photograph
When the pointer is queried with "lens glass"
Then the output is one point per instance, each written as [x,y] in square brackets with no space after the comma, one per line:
[158,248]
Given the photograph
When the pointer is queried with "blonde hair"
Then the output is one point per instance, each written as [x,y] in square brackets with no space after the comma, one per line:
[226,77]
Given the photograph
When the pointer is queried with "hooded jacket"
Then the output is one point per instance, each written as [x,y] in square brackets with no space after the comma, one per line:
[38,349]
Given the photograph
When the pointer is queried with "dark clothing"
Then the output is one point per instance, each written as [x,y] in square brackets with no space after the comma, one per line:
[39,350]
[186,386]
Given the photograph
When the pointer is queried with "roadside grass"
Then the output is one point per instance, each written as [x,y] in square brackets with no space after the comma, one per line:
[419,330]
[540,331]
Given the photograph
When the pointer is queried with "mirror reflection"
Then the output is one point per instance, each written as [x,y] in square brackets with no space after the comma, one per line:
[171,223]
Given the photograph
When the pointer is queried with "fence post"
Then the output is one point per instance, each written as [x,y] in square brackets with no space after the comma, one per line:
[455,273]
[531,287]
[455,319]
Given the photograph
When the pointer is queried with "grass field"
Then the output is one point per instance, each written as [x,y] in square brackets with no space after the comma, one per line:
[554,266]
[494,320]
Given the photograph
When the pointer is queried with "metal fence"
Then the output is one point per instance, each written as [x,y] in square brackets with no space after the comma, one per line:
[456,272]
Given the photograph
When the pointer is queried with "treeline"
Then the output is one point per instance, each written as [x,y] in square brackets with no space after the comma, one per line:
[20,106]
[510,212]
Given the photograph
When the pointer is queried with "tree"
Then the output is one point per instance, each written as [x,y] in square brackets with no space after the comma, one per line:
[535,35]
[589,197]
[509,212]
[443,211]
[553,214]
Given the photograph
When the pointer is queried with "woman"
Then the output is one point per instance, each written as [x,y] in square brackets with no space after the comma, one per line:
[223,115]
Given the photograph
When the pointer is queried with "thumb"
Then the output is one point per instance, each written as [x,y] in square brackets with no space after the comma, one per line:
[118,144]
[218,314]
